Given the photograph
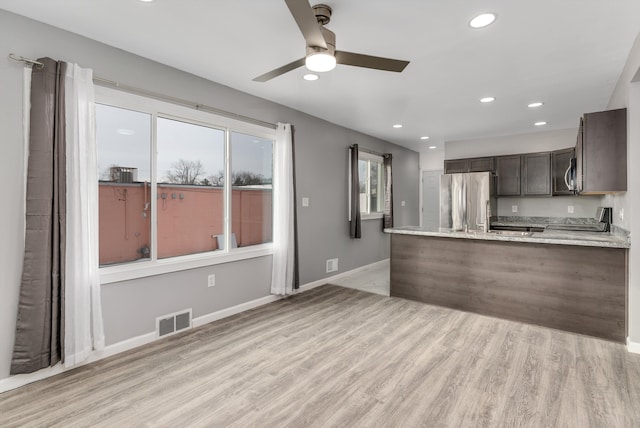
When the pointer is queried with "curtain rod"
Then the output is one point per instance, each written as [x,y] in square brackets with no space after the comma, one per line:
[112,84]
[371,152]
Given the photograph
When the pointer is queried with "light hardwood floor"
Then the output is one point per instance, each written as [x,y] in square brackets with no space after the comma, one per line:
[372,279]
[337,357]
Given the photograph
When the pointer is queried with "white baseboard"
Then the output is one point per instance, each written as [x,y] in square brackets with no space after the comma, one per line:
[223,313]
[16,381]
[633,347]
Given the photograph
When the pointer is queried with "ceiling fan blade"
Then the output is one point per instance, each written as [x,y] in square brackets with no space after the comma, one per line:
[307,22]
[368,61]
[279,71]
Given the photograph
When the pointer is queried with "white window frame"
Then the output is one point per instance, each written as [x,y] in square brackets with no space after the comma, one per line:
[157,108]
[369,157]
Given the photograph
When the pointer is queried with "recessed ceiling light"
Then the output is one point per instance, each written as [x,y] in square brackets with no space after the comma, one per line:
[482,20]
[542,123]
[424,137]
[124,131]
[432,147]
[397,125]
[146,1]
[536,104]
[487,99]
[310,76]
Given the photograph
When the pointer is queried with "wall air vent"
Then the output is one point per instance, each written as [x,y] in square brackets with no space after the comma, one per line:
[173,323]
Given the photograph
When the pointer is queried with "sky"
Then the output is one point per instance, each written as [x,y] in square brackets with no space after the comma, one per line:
[124,139]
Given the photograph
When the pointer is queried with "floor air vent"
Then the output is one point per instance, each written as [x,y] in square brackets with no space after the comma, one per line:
[173,323]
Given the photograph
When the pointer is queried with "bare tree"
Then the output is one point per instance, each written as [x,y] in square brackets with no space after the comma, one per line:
[217,180]
[246,178]
[238,178]
[185,172]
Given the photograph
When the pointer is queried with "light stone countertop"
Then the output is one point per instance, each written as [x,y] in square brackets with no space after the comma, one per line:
[557,237]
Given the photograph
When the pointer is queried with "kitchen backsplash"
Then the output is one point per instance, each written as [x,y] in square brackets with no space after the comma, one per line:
[556,206]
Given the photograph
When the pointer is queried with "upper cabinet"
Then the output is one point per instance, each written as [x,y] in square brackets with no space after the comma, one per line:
[561,170]
[536,174]
[482,164]
[524,175]
[455,166]
[508,175]
[601,152]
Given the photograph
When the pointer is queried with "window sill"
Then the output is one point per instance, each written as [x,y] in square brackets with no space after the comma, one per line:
[375,216]
[143,269]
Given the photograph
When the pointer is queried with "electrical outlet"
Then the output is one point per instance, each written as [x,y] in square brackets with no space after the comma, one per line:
[211,280]
[305,202]
[514,208]
[402,203]
[570,209]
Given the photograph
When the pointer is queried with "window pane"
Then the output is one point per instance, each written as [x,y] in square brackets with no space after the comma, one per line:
[373,186]
[190,166]
[363,175]
[376,186]
[123,140]
[251,194]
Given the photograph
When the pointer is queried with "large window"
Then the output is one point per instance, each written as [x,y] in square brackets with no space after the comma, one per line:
[371,175]
[251,181]
[124,164]
[190,197]
[179,186]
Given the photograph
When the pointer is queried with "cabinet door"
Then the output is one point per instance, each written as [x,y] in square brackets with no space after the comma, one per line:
[536,177]
[560,161]
[508,175]
[604,165]
[454,166]
[481,164]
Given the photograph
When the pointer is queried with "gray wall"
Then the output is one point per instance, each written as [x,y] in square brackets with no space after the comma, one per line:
[130,307]
[627,94]
[557,206]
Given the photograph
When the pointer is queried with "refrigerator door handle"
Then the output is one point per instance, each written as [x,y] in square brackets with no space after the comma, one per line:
[463,197]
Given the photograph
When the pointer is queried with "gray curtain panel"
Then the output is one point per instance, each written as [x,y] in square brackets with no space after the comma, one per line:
[355,226]
[387,213]
[39,339]
[296,269]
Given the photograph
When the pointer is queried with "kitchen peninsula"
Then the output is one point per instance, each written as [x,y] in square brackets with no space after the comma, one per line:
[573,281]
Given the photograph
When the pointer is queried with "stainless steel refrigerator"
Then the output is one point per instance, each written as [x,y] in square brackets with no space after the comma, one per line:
[467,201]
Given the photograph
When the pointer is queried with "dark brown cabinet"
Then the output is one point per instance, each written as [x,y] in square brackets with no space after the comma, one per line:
[508,175]
[454,166]
[536,174]
[601,152]
[481,164]
[560,163]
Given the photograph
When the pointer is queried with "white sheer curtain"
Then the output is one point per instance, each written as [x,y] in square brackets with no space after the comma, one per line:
[83,313]
[282,274]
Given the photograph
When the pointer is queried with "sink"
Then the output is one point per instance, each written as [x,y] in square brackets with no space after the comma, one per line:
[511,233]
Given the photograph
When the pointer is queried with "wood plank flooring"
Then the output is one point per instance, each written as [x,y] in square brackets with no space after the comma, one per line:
[338,357]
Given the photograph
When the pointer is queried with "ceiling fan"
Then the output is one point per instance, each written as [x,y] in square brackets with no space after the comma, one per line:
[321,45]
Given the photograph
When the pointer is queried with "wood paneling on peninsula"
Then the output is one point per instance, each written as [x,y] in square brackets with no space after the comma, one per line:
[572,288]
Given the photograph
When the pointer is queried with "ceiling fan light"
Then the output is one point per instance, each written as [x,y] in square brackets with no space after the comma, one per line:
[320,62]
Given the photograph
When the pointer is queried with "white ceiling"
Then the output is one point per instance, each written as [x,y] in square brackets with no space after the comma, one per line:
[567,53]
